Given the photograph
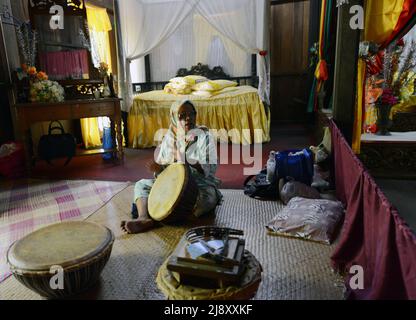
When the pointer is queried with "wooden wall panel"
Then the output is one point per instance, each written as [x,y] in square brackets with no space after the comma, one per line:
[289,61]
[6,126]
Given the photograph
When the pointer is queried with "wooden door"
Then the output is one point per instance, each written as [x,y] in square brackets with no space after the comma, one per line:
[290,72]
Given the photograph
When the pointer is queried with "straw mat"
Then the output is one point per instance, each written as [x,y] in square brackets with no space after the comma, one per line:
[292,268]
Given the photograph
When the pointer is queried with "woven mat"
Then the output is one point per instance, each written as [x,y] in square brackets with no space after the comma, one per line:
[27,206]
[293,269]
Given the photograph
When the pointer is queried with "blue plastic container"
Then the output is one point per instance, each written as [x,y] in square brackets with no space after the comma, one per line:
[107,143]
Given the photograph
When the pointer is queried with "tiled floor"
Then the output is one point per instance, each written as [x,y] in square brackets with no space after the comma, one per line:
[134,167]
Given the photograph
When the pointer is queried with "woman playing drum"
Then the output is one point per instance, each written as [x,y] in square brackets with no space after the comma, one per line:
[184,143]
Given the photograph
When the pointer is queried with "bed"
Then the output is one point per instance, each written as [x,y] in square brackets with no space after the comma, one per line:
[237,116]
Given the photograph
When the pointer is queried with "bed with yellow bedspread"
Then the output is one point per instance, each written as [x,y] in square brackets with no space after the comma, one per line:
[238,116]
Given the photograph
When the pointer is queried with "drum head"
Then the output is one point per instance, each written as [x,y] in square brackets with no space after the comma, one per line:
[64,244]
[166,191]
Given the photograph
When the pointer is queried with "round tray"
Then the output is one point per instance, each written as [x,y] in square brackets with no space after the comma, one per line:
[247,289]
[209,232]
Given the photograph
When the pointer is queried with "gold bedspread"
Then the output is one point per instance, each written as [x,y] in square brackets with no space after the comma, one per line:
[239,112]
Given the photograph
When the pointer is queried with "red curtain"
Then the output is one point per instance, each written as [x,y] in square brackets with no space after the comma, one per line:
[374,236]
[63,65]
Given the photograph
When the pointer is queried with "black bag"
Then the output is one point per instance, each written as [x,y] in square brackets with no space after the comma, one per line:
[53,146]
[259,187]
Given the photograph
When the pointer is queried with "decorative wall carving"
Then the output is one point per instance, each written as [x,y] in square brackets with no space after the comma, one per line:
[83,90]
[69,5]
[403,122]
[396,160]
[204,70]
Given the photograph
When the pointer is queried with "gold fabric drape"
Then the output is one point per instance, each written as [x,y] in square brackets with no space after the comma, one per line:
[381,17]
[233,112]
[99,25]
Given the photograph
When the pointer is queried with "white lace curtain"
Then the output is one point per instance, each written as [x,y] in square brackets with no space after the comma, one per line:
[146,24]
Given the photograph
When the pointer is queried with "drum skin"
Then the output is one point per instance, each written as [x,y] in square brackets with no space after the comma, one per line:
[173,195]
[81,249]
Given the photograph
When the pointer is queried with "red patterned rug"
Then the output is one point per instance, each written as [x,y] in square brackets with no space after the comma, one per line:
[29,206]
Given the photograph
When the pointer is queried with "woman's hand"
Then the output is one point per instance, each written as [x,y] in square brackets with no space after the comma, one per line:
[154,167]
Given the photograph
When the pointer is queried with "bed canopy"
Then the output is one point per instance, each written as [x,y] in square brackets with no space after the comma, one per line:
[144,25]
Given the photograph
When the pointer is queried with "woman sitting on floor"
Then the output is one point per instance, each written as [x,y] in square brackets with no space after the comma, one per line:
[185,143]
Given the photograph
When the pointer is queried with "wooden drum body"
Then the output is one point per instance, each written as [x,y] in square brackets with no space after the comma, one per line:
[173,195]
[70,253]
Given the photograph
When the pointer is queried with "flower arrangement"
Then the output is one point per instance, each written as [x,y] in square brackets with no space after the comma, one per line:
[103,69]
[41,88]
[388,97]
[399,67]
[31,73]
[390,72]
[46,91]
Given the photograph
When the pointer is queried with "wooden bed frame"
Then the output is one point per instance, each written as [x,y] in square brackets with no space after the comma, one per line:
[201,70]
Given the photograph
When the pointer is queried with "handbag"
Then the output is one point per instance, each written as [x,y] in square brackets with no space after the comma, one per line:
[54,146]
[259,187]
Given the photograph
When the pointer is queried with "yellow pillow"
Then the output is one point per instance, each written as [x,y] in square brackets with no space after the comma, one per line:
[194,79]
[185,91]
[177,89]
[203,94]
[188,80]
[168,88]
[179,81]
[214,85]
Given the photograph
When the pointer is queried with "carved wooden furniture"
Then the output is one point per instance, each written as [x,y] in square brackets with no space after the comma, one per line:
[403,122]
[30,113]
[201,70]
[73,37]
[390,156]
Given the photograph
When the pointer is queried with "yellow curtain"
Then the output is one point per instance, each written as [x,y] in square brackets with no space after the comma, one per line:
[356,139]
[99,25]
[381,17]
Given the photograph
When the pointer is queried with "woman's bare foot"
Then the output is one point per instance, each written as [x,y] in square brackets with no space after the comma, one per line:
[137,226]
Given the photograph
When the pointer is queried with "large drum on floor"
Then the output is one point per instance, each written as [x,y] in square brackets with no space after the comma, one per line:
[173,195]
[61,260]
